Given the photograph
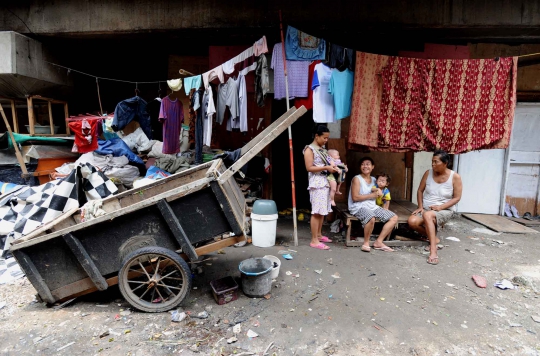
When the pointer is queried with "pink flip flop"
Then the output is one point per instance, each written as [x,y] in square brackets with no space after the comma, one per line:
[320,246]
[324,239]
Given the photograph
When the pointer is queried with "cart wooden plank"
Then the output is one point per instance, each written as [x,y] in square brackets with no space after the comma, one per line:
[529,223]
[86,261]
[500,224]
[176,229]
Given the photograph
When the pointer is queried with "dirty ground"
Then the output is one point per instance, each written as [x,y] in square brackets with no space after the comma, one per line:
[342,302]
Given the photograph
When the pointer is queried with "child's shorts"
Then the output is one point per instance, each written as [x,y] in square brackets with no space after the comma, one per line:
[331,178]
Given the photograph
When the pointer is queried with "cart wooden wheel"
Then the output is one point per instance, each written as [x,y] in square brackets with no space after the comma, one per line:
[154,279]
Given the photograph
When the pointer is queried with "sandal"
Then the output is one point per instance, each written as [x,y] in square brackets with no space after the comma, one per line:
[366,248]
[324,239]
[385,249]
[433,261]
[320,246]
[439,247]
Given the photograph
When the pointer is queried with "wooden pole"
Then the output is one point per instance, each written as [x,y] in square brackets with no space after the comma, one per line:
[51,123]
[291,156]
[15,118]
[66,114]
[31,117]
[17,152]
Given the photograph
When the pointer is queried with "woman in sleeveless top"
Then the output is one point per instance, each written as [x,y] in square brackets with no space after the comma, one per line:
[319,189]
[362,204]
[438,193]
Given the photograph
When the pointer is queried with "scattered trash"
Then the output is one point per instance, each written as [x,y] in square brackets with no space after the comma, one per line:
[336,275]
[128,331]
[480,281]
[504,284]
[288,273]
[202,315]
[464,326]
[334,228]
[452,238]
[267,296]
[178,316]
[256,324]
[329,261]
[483,230]
[535,318]
[287,256]
[449,284]
[471,251]
[372,274]
[251,333]
[383,299]
[330,296]
[60,306]
[220,252]
[125,313]
[232,340]
[498,241]
[237,329]
[514,325]
[103,334]
[284,326]
[318,271]
[2,304]
[63,347]
[37,339]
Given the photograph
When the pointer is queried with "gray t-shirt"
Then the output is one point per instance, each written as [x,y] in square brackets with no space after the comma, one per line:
[227,96]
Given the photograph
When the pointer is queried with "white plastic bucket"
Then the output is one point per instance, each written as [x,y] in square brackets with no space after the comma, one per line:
[263,229]
[275,260]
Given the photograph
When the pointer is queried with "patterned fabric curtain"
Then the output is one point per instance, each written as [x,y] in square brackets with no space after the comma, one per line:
[454,105]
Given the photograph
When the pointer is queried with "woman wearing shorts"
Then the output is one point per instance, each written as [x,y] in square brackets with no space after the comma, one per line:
[319,188]
[438,193]
[362,204]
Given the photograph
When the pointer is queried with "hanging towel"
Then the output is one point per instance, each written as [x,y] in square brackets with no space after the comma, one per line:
[299,46]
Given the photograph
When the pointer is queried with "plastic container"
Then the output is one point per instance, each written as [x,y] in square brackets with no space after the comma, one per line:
[256,276]
[264,223]
[276,264]
[225,290]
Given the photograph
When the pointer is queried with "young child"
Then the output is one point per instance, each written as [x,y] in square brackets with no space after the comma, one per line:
[382,183]
[336,179]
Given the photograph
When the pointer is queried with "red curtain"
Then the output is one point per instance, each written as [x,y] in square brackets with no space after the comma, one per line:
[454,105]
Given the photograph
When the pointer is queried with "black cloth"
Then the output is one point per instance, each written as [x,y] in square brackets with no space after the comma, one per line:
[197,96]
[340,57]
[153,108]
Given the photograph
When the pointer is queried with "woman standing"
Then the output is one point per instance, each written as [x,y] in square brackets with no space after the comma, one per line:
[362,204]
[438,193]
[319,190]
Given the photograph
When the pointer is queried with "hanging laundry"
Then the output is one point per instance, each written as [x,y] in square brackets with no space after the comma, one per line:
[454,105]
[340,57]
[192,83]
[196,101]
[213,74]
[129,110]
[241,121]
[172,116]
[209,111]
[227,97]
[299,46]
[341,88]
[308,102]
[153,108]
[323,102]
[246,61]
[108,131]
[260,47]
[175,84]
[86,134]
[366,103]
[297,75]
[262,81]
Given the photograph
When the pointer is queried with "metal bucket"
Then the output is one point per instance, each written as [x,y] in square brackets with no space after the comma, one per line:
[256,277]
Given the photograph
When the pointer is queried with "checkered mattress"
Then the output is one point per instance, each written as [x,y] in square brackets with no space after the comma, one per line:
[25,209]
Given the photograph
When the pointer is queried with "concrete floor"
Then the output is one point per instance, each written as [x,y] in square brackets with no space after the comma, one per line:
[380,303]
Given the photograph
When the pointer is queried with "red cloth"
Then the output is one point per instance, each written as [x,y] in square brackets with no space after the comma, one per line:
[454,105]
[86,134]
[307,102]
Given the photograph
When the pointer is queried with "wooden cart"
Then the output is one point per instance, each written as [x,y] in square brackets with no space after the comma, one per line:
[143,240]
